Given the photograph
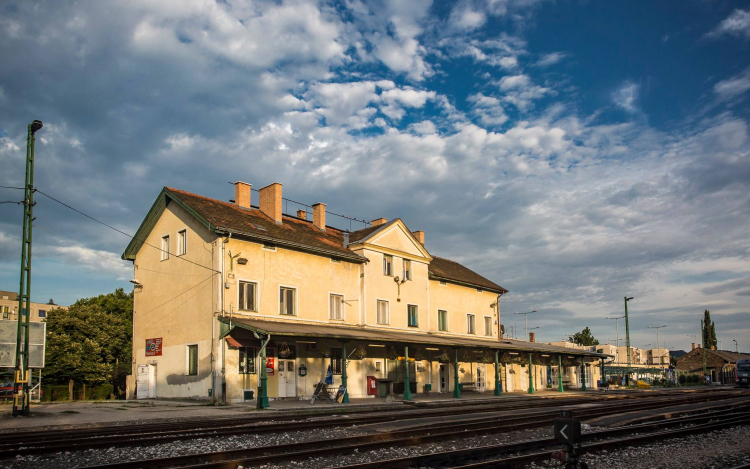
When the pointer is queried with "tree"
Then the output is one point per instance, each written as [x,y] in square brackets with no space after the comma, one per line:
[709,331]
[583,338]
[91,342]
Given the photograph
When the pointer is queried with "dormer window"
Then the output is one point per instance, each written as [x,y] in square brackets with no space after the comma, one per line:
[387,265]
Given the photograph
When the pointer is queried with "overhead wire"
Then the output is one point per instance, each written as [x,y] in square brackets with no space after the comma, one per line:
[11,187]
[120,231]
[10,202]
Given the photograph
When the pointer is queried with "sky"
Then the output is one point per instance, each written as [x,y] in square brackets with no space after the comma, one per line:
[574,152]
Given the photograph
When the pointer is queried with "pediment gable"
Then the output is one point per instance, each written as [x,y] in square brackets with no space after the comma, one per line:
[395,236]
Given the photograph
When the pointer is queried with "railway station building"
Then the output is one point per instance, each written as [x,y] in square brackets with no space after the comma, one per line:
[218,285]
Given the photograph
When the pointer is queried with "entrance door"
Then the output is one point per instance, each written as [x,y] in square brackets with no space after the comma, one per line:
[287,378]
[443,373]
[152,381]
[509,379]
[481,378]
[142,382]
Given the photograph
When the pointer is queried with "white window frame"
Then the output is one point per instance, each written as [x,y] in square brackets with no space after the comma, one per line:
[387,311]
[296,300]
[446,320]
[187,359]
[182,242]
[408,315]
[404,271]
[257,295]
[165,242]
[386,257]
[330,310]
[471,326]
[488,326]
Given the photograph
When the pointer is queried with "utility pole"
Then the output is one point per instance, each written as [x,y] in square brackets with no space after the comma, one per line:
[661,361]
[736,346]
[617,330]
[703,347]
[526,317]
[627,335]
[21,375]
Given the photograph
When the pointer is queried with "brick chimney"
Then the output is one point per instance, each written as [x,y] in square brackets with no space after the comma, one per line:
[319,215]
[419,235]
[532,337]
[242,194]
[692,345]
[378,222]
[270,201]
[302,214]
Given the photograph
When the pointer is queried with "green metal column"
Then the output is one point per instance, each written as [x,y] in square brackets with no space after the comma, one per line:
[456,390]
[407,384]
[604,379]
[531,374]
[559,373]
[263,391]
[627,339]
[703,349]
[583,374]
[498,381]
[345,400]
[22,376]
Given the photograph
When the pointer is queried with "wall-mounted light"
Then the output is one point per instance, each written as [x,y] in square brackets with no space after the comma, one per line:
[375,345]
[431,348]
[241,261]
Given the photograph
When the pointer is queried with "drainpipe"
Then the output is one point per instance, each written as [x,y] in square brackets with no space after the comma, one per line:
[262,394]
[456,390]
[213,332]
[407,386]
[223,342]
[498,382]
[531,374]
[559,373]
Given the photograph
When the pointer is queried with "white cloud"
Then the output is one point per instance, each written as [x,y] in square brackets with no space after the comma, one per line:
[733,87]
[514,82]
[737,24]
[626,96]
[520,91]
[550,59]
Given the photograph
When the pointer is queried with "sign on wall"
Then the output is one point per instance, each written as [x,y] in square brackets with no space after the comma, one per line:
[269,366]
[153,347]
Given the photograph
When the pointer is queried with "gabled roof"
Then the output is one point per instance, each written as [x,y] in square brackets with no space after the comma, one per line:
[250,223]
[371,235]
[295,233]
[451,271]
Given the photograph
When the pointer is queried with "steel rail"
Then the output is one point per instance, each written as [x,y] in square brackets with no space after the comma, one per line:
[400,438]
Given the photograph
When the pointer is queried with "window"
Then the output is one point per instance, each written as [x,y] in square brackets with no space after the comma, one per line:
[286,301]
[336,307]
[42,313]
[383,312]
[471,324]
[442,320]
[23,311]
[387,264]
[165,248]
[442,283]
[247,360]
[336,361]
[248,296]
[192,353]
[6,312]
[407,269]
[487,325]
[181,242]
[479,290]
[413,315]
[269,247]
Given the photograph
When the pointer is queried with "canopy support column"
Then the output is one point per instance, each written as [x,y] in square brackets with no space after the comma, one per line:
[559,373]
[345,400]
[531,374]
[583,374]
[456,389]
[407,384]
[498,382]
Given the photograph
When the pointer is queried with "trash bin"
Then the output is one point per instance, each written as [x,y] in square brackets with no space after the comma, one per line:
[427,389]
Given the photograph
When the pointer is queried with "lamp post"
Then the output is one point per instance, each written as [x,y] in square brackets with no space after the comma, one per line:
[526,317]
[617,331]
[627,335]
[21,375]
[703,347]
[736,346]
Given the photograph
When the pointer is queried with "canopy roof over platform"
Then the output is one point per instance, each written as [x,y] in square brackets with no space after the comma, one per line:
[279,329]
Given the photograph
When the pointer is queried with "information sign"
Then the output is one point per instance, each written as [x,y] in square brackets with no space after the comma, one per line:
[153,347]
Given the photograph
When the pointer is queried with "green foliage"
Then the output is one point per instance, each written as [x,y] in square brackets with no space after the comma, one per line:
[86,341]
[583,338]
[682,379]
[709,331]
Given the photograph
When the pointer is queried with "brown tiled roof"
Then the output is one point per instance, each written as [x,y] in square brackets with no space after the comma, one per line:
[359,235]
[252,222]
[446,269]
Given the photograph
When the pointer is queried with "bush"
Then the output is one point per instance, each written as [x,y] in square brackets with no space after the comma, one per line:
[59,392]
[683,379]
[102,392]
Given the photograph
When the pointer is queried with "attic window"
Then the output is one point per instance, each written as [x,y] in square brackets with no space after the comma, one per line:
[479,290]
[269,247]
[442,283]
[336,261]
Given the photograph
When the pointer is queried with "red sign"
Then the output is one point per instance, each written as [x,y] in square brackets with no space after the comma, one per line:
[153,347]
[269,366]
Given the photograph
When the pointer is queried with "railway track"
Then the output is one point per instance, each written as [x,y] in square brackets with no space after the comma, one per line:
[72,440]
[260,456]
[151,434]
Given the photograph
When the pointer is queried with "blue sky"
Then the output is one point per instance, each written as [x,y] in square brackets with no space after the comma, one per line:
[574,152]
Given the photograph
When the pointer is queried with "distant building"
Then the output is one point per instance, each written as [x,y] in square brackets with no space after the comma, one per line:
[720,364]
[9,307]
